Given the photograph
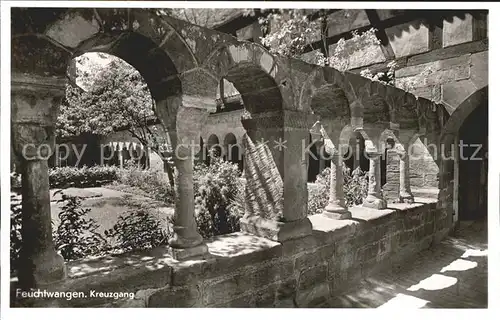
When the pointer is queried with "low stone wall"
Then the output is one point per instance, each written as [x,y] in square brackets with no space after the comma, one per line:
[248,271]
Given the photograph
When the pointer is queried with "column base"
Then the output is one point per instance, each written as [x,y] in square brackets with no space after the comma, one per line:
[375,203]
[199,252]
[183,238]
[337,212]
[47,268]
[275,230]
[406,198]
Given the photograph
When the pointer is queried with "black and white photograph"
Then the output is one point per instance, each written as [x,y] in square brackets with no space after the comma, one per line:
[165,155]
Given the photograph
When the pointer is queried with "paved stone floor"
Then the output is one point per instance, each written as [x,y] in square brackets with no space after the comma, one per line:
[452,274]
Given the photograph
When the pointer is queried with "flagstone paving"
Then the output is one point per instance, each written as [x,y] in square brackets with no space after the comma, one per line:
[452,274]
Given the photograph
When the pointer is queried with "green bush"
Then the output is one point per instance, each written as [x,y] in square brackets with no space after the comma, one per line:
[84,177]
[355,189]
[76,236]
[215,188]
[15,181]
[153,181]
[137,230]
[16,239]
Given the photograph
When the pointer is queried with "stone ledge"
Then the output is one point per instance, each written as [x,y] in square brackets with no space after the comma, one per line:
[251,260]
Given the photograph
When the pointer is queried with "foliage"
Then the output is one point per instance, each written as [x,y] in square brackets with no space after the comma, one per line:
[76,236]
[153,182]
[137,230]
[294,33]
[355,189]
[291,31]
[83,177]
[215,188]
[15,231]
[385,77]
[340,58]
[15,181]
[110,95]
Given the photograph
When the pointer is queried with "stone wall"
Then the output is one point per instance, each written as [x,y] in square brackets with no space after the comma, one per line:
[248,271]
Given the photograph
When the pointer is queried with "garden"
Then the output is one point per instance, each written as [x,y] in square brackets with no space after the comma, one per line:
[140,215]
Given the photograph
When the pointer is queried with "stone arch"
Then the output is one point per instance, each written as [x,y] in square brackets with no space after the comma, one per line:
[385,136]
[253,72]
[323,87]
[213,140]
[231,144]
[376,109]
[461,113]
[352,147]
[150,23]
[156,67]
[145,38]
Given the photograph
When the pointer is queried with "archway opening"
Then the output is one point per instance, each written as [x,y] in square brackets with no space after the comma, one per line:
[233,151]
[355,157]
[109,103]
[213,148]
[315,165]
[473,165]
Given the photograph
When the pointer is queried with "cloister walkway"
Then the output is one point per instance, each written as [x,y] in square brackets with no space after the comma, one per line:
[452,274]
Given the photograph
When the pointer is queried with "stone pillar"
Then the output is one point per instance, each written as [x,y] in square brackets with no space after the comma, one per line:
[322,163]
[186,242]
[34,111]
[392,187]
[336,208]
[405,194]
[357,154]
[276,175]
[374,199]
[120,154]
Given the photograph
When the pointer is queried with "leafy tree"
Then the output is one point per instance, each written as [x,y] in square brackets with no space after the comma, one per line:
[111,95]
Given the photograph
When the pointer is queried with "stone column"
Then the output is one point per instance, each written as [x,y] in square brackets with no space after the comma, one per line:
[120,154]
[336,208]
[405,194]
[374,199]
[357,154]
[392,186]
[186,242]
[276,175]
[406,136]
[34,111]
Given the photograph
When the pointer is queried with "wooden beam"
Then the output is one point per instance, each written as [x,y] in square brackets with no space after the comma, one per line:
[409,16]
[385,44]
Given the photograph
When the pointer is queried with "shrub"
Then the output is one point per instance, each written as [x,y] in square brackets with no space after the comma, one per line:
[355,186]
[84,177]
[137,230]
[15,231]
[152,181]
[77,237]
[15,181]
[215,188]
[355,189]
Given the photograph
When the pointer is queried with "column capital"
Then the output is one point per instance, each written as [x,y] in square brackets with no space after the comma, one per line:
[33,141]
[373,154]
